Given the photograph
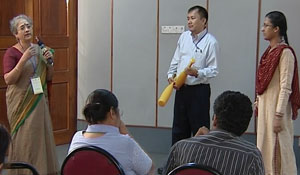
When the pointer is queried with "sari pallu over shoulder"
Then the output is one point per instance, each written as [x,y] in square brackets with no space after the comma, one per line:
[30,100]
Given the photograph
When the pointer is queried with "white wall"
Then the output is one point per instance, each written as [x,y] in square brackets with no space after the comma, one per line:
[135,60]
[235,29]
[141,54]
[93,48]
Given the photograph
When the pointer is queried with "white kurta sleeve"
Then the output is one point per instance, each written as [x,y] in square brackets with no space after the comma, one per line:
[286,71]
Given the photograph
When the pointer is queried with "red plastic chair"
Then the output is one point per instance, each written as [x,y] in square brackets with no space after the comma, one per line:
[194,169]
[91,160]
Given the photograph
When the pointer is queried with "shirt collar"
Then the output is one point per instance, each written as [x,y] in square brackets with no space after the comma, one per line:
[198,36]
[221,131]
[102,128]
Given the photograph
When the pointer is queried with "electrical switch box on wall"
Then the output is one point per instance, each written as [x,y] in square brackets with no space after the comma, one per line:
[172,29]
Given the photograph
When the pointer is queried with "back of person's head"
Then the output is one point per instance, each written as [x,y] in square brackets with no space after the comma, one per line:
[233,112]
[98,104]
[201,10]
[4,142]
[278,19]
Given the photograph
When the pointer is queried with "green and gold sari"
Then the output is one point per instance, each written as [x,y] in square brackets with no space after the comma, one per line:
[30,100]
[29,118]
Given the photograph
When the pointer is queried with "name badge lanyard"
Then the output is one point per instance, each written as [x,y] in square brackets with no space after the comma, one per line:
[34,65]
[35,80]
[199,42]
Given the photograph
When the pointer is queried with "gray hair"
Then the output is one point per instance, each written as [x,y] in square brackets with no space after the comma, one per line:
[14,22]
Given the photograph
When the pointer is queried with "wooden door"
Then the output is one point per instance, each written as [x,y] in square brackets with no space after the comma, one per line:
[55,22]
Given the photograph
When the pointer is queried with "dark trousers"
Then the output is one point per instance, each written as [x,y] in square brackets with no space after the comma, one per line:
[191,111]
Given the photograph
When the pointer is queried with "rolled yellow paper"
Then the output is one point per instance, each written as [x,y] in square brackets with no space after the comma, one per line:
[179,81]
[165,95]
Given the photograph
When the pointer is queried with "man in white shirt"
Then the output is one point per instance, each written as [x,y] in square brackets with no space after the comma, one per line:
[192,100]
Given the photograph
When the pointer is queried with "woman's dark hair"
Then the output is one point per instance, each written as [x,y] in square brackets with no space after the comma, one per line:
[233,111]
[4,142]
[278,19]
[98,104]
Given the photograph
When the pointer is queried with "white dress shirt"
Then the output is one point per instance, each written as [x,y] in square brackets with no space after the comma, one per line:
[204,48]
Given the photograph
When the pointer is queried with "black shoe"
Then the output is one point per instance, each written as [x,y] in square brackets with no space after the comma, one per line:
[160,170]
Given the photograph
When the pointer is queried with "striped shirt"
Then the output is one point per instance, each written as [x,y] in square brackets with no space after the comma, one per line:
[227,153]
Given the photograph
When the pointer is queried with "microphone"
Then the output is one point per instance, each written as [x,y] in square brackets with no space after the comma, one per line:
[44,49]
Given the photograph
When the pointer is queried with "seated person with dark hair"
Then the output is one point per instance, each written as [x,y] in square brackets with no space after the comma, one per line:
[222,148]
[107,131]
[4,142]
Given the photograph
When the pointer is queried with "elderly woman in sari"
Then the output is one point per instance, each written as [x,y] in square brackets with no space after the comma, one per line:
[26,73]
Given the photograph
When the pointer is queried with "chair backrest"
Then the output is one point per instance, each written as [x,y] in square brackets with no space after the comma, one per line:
[20,165]
[194,169]
[91,160]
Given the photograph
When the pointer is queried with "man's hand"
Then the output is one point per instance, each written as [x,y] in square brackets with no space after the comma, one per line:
[202,131]
[171,80]
[191,71]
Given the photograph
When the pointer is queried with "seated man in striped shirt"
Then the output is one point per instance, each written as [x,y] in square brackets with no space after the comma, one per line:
[222,148]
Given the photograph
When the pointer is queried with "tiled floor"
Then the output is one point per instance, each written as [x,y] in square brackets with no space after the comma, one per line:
[61,152]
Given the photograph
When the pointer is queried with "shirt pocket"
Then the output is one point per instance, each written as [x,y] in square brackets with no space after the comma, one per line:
[200,59]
